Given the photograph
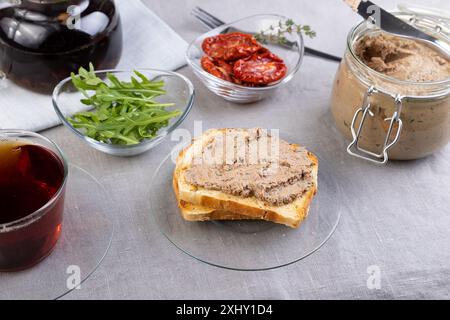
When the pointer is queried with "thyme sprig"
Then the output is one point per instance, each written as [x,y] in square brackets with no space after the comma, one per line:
[277,33]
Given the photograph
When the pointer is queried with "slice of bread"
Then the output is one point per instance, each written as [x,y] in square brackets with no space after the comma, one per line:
[191,212]
[211,204]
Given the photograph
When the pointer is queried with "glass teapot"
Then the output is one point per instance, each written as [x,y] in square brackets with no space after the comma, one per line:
[43,41]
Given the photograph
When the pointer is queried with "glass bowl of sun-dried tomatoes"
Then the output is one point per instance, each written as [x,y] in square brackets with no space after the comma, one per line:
[247,60]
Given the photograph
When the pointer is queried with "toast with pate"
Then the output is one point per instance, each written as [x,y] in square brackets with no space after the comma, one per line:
[282,196]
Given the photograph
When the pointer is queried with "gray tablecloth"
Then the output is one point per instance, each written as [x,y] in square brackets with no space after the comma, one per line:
[396,219]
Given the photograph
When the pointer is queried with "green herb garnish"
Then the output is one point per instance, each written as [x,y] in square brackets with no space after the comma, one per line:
[123,113]
[277,33]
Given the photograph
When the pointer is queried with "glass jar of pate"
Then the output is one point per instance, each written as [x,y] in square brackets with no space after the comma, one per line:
[385,117]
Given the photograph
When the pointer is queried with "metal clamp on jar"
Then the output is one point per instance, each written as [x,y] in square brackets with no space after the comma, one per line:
[387,118]
[394,120]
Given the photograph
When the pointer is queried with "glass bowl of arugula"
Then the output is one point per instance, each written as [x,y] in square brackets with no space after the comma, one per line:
[123,113]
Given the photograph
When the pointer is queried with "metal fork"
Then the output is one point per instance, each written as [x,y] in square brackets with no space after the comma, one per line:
[212,22]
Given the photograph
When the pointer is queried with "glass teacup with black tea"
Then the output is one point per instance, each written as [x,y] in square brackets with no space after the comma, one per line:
[33,173]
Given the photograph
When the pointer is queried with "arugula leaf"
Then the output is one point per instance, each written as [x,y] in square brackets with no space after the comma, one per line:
[124,113]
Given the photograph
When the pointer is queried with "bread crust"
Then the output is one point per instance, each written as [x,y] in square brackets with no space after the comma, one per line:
[201,204]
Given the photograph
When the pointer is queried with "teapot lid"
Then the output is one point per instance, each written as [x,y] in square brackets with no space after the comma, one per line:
[48,26]
[49,6]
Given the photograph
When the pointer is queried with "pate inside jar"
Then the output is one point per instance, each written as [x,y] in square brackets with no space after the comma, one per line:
[405,93]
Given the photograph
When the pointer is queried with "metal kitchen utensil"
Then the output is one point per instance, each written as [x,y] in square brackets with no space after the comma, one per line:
[390,23]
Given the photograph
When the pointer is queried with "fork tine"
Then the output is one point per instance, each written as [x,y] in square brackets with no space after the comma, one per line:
[200,15]
[217,21]
[204,21]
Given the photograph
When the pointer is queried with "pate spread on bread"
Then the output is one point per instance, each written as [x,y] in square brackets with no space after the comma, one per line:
[231,174]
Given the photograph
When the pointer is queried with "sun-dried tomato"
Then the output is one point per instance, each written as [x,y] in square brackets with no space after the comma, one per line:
[218,68]
[230,46]
[260,68]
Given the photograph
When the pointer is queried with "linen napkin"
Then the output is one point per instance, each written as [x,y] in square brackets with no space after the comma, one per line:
[148,43]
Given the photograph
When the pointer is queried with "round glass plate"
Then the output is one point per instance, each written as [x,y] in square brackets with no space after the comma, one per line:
[246,245]
[85,239]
